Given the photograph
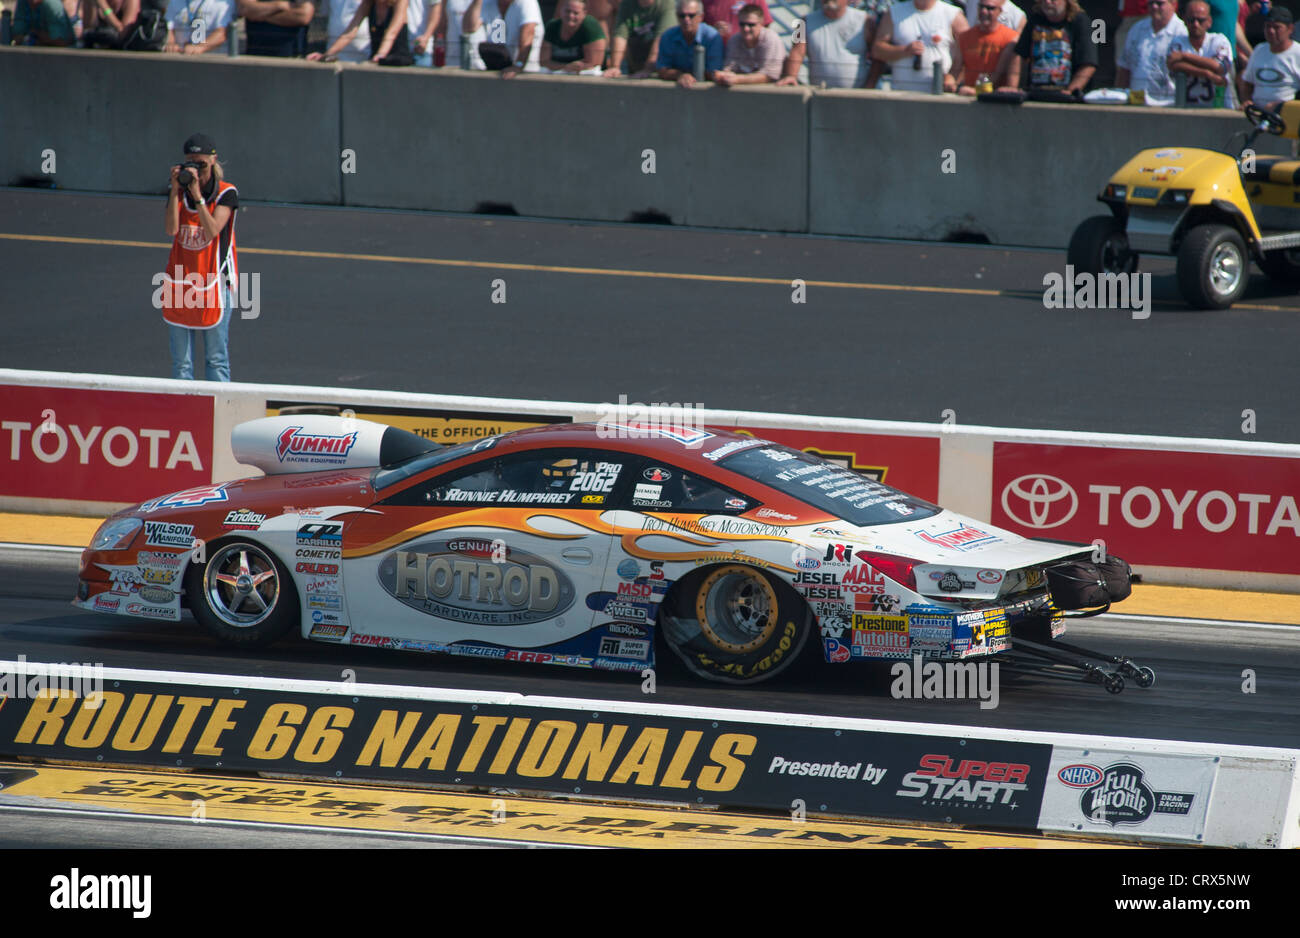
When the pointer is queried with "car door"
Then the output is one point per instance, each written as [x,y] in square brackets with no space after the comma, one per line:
[499,554]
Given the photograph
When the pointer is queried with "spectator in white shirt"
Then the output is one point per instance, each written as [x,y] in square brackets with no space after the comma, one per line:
[198,26]
[516,23]
[1273,74]
[1143,63]
[1205,58]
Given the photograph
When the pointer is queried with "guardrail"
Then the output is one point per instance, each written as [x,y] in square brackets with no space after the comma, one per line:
[1102,787]
[762,158]
[1188,511]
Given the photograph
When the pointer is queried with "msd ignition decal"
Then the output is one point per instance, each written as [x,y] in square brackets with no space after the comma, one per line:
[463,585]
[1158,507]
[1160,795]
[101,445]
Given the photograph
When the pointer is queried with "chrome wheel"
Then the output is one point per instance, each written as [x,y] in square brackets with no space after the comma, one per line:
[241,585]
[1226,268]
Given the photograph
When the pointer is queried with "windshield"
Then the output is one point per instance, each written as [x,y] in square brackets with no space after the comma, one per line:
[827,486]
[390,475]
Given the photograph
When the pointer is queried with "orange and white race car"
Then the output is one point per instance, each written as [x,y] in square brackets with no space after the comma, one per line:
[582,545]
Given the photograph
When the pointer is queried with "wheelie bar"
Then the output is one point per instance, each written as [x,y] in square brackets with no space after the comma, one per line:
[1045,658]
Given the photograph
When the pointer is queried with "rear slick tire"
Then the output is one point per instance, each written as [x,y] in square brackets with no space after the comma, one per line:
[736,624]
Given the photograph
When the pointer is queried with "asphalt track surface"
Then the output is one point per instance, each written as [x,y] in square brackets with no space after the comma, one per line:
[1197,697]
[890,330]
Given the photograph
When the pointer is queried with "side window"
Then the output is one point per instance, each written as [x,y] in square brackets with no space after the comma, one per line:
[568,478]
[660,487]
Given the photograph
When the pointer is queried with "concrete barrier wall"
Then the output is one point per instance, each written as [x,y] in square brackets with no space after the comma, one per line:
[566,147]
[784,159]
[916,166]
[116,120]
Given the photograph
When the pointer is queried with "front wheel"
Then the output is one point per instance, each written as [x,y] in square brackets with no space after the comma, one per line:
[242,595]
[1100,246]
[1213,266]
[736,625]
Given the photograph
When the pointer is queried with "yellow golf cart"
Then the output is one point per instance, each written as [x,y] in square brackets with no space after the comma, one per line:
[1212,212]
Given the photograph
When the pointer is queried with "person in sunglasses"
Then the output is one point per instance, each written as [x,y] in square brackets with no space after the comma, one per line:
[980,48]
[1205,58]
[754,54]
[677,47]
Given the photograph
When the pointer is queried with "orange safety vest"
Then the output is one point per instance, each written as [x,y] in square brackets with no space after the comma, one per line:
[196,268]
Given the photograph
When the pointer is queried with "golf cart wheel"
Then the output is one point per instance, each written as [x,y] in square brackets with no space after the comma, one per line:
[1282,266]
[1099,246]
[1213,267]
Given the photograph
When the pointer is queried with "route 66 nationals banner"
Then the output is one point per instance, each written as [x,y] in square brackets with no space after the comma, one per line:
[782,768]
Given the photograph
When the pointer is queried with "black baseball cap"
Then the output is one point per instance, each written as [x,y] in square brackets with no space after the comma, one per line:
[202,145]
[1280,14]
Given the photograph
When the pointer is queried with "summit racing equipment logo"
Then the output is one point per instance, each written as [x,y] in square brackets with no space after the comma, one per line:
[962,537]
[1122,796]
[321,447]
[433,578]
[1036,497]
[939,781]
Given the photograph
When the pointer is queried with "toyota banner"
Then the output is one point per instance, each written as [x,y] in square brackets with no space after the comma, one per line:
[1155,507]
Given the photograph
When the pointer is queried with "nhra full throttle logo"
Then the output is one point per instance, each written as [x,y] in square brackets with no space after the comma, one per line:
[332,449]
[1122,796]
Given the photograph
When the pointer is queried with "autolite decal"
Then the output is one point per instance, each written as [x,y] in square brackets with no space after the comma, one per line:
[434,579]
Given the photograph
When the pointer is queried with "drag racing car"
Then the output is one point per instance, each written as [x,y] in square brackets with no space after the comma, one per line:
[585,545]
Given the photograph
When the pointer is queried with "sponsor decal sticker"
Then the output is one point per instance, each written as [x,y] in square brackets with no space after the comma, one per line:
[314,447]
[243,519]
[168,534]
[431,578]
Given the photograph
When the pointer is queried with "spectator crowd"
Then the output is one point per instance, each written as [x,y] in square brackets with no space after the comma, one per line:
[1228,53]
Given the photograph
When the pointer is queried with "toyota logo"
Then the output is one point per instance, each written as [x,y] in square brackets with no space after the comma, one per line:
[1045,497]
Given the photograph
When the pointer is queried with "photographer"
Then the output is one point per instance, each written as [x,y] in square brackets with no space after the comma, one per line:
[201,269]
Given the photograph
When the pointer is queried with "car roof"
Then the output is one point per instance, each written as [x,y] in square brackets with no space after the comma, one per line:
[683,446]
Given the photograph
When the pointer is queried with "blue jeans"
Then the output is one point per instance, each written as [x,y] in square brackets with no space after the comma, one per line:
[216,346]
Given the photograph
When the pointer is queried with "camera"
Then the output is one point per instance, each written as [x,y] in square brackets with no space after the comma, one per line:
[189,172]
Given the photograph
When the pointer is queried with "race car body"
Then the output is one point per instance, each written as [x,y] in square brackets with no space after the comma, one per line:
[573,544]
